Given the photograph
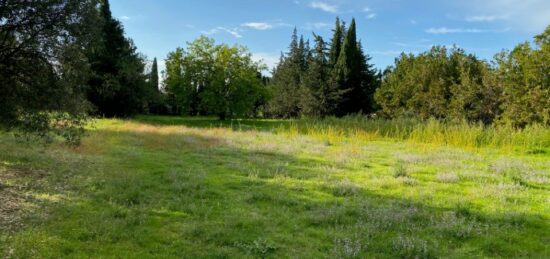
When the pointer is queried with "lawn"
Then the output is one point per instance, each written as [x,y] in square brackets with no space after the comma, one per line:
[197,187]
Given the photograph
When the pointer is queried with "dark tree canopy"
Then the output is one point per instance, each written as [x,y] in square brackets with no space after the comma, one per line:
[42,67]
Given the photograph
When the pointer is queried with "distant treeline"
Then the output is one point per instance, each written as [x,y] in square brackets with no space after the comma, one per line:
[62,61]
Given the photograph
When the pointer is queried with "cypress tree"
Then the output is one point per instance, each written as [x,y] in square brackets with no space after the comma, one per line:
[336,45]
[117,87]
[348,74]
[154,76]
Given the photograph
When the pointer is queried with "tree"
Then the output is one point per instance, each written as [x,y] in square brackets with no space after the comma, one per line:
[348,74]
[524,76]
[286,81]
[118,86]
[155,99]
[42,67]
[440,84]
[336,42]
[318,98]
[234,87]
[210,79]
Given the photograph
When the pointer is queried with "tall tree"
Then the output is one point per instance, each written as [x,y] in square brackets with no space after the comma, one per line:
[318,96]
[210,79]
[286,82]
[348,74]
[154,76]
[118,85]
[336,42]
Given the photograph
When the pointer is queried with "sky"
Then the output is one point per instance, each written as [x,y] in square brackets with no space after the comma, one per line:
[386,28]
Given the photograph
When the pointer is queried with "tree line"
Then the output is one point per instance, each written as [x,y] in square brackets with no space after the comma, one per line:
[62,61]
[448,84]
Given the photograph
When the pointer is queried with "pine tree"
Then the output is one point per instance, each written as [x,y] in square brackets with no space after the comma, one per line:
[348,75]
[337,41]
[286,82]
[316,96]
[117,87]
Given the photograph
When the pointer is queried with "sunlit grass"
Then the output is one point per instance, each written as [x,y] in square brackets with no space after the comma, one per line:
[198,187]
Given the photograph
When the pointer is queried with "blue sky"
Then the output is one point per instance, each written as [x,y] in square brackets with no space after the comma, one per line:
[386,27]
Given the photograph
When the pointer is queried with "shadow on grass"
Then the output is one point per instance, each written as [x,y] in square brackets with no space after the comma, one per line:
[209,198]
[213,122]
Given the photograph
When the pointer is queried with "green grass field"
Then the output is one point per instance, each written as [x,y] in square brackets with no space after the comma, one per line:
[340,188]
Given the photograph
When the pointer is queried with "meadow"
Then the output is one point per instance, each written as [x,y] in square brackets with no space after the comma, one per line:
[163,187]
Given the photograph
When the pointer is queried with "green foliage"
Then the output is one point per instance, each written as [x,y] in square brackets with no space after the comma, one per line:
[287,79]
[441,84]
[117,86]
[42,64]
[213,79]
[523,75]
[455,86]
[322,81]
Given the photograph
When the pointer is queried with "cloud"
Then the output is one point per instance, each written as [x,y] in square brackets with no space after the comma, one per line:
[485,18]
[324,7]
[234,32]
[262,26]
[525,15]
[317,25]
[125,18]
[258,25]
[370,13]
[445,30]
[269,59]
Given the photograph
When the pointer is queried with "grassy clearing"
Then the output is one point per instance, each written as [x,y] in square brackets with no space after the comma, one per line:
[180,187]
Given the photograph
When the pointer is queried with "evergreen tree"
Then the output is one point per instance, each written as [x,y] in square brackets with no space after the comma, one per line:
[286,82]
[337,41]
[348,75]
[117,87]
[154,96]
[317,96]
[154,76]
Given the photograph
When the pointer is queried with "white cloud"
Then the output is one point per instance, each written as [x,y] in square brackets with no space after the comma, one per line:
[125,18]
[370,13]
[525,15]
[445,30]
[234,32]
[485,18]
[258,25]
[325,7]
[269,59]
[264,25]
[317,25]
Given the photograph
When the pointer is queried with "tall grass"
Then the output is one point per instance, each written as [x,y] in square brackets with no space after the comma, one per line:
[434,132]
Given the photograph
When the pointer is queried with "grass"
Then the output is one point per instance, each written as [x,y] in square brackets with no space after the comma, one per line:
[346,188]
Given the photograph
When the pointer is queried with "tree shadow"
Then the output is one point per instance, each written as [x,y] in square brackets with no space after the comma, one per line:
[210,198]
[213,122]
